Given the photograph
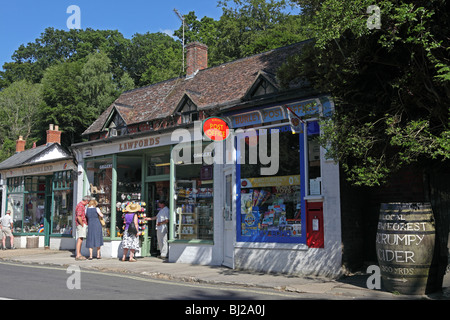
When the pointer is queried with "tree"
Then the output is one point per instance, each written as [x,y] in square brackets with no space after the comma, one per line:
[97,88]
[53,46]
[390,85]
[63,106]
[19,105]
[153,57]
[246,27]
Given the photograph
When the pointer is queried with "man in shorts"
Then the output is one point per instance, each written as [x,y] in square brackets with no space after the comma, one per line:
[6,225]
[81,222]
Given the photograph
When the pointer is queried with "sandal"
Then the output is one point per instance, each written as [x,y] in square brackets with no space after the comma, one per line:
[80,258]
[132,260]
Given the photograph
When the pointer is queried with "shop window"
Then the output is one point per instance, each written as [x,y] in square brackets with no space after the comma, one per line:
[99,175]
[314,175]
[15,205]
[26,200]
[158,164]
[194,193]
[269,207]
[129,176]
[62,214]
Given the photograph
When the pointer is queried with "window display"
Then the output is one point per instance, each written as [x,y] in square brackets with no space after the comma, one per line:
[99,174]
[194,201]
[129,187]
[62,215]
[269,207]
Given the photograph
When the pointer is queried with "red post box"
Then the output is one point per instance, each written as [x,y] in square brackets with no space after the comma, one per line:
[314,226]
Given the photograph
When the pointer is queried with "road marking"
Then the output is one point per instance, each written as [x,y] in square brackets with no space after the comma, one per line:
[151,280]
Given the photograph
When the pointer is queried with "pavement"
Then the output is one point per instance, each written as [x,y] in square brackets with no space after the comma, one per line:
[345,288]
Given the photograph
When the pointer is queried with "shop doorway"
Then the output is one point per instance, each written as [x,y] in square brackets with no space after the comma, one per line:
[156,191]
[229,223]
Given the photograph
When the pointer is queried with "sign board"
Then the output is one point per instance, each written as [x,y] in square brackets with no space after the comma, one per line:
[216,129]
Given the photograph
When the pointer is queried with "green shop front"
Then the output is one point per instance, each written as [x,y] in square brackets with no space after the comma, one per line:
[40,198]
[140,168]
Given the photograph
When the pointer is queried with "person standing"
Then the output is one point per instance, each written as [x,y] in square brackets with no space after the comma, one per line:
[130,241]
[162,220]
[6,227]
[81,222]
[94,238]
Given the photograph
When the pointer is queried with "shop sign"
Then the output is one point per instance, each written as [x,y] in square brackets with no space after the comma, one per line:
[303,108]
[216,129]
[137,144]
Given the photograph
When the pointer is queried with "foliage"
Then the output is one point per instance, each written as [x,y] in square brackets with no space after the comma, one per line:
[390,85]
[19,105]
[246,27]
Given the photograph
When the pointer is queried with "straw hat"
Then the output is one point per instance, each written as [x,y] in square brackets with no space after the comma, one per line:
[133,207]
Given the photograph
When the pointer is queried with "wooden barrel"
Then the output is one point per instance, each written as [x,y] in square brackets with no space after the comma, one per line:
[405,245]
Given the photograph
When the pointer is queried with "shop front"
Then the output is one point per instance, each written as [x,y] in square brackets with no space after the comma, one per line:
[146,170]
[38,189]
[287,194]
[40,198]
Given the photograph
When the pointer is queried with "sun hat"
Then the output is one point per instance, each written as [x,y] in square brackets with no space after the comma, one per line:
[133,207]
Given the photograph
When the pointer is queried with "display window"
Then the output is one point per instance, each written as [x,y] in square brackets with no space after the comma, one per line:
[194,192]
[129,187]
[62,214]
[99,175]
[269,207]
[26,200]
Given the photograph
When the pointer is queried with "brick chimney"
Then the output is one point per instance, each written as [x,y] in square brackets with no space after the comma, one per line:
[53,135]
[20,144]
[196,58]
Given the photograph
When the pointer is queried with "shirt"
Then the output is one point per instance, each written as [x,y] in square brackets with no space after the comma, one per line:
[6,221]
[162,215]
[80,211]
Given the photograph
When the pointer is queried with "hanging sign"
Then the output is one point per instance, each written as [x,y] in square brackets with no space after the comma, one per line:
[216,129]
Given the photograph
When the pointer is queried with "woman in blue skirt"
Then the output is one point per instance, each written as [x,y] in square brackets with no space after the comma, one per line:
[94,238]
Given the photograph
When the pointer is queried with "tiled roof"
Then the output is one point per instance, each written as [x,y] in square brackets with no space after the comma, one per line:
[27,156]
[212,87]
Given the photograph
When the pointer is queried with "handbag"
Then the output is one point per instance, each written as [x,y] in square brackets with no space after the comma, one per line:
[102,222]
[132,228]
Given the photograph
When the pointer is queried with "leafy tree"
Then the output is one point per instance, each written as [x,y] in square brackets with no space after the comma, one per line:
[153,57]
[390,85]
[63,106]
[246,27]
[53,46]
[97,88]
[19,105]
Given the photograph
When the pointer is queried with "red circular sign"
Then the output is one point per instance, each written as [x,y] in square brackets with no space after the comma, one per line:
[216,129]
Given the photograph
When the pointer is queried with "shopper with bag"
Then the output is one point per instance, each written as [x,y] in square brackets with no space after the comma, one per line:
[130,239]
[94,237]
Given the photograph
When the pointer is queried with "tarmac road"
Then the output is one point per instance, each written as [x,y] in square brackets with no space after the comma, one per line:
[38,282]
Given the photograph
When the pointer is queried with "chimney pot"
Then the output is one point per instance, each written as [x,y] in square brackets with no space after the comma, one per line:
[196,58]
[20,144]
[53,135]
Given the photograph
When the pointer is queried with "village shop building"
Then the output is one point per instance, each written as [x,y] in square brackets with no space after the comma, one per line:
[149,146]
[37,187]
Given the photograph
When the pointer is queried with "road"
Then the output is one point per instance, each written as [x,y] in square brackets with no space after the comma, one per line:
[39,282]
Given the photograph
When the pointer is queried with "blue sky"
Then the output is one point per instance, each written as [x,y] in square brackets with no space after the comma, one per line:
[22,21]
